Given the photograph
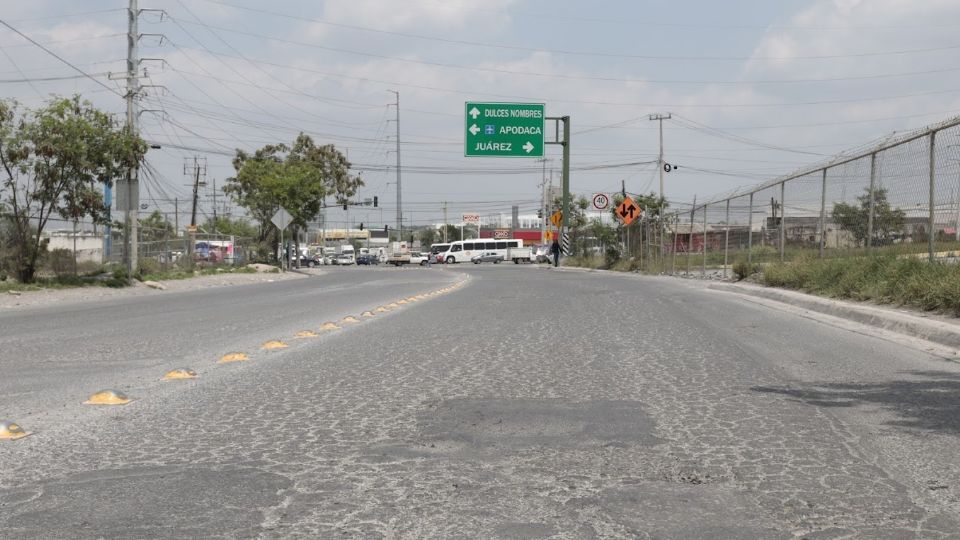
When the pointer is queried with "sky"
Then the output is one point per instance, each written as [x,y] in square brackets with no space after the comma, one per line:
[756,89]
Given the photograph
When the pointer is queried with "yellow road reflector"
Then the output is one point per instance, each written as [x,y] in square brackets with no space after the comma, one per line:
[381,309]
[351,319]
[329,326]
[402,302]
[180,373]
[306,334]
[12,431]
[412,299]
[233,357]
[108,397]
[367,314]
[393,305]
[273,345]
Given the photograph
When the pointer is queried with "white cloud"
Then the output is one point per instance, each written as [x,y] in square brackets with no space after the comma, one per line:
[411,14]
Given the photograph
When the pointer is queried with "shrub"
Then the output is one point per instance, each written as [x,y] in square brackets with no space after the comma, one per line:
[60,261]
[742,269]
[148,266]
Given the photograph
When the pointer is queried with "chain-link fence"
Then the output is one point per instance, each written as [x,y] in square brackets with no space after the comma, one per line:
[901,196]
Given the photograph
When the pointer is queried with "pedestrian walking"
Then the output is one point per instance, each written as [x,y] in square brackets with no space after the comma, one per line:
[555,249]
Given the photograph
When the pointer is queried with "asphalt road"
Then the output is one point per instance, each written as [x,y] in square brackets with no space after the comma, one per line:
[527,403]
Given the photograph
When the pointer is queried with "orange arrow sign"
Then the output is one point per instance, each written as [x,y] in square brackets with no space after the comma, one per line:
[628,211]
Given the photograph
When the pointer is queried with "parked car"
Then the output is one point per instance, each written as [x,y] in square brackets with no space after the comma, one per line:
[368,260]
[487,256]
[344,259]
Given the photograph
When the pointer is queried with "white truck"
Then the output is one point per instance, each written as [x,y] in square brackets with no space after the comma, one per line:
[520,255]
[399,254]
[346,254]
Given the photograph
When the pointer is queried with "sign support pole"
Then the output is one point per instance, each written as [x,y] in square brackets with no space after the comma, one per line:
[565,205]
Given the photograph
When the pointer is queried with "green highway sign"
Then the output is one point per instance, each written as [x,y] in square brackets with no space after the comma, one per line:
[504,129]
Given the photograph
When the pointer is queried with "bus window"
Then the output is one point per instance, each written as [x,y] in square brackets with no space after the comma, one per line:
[456,247]
[491,245]
[468,247]
[514,244]
[502,245]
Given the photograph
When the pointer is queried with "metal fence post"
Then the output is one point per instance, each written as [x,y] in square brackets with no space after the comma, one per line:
[872,199]
[673,260]
[823,214]
[783,219]
[726,240]
[933,170]
[693,217]
[750,232]
[703,265]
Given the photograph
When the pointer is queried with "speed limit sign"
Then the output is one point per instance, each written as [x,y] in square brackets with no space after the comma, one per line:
[601,201]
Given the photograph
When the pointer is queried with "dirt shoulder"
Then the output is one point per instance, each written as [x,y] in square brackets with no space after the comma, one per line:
[92,294]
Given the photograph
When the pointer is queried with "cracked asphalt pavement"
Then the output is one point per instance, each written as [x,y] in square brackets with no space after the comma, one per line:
[526,403]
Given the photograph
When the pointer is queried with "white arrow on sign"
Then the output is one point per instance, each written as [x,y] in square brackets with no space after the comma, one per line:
[528,147]
[474,112]
[474,129]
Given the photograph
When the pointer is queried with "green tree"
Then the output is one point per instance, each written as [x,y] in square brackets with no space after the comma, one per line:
[854,218]
[231,227]
[427,236]
[298,178]
[453,232]
[53,161]
[155,227]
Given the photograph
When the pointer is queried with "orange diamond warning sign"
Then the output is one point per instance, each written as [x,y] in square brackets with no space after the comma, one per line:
[628,211]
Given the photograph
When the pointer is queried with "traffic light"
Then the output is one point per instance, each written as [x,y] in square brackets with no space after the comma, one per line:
[361,225]
[540,213]
[344,206]
[386,228]
[375,201]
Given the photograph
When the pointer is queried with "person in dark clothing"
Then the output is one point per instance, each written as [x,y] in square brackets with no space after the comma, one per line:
[555,249]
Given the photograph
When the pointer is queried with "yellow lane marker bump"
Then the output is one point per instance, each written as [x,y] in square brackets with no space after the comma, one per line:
[367,314]
[273,345]
[381,309]
[180,373]
[402,302]
[108,397]
[351,319]
[11,431]
[393,305]
[233,357]
[305,334]
[413,299]
[329,326]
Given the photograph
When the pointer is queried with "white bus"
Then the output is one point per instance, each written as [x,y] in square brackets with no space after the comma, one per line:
[462,250]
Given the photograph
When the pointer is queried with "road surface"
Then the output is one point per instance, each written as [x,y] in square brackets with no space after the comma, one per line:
[525,403]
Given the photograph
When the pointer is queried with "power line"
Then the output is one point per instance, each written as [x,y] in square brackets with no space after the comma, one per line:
[564,76]
[475,92]
[585,53]
[58,57]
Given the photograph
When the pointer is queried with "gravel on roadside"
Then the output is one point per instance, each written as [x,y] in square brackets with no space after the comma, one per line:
[87,294]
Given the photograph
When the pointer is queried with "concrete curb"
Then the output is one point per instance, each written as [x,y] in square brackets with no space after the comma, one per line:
[929,328]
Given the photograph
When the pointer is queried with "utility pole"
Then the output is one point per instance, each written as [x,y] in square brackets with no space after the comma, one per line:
[543,198]
[195,171]
[198,168]
[444,222]
[131,215]
[176,215]
[660,118]
[214,206]
[399,199]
